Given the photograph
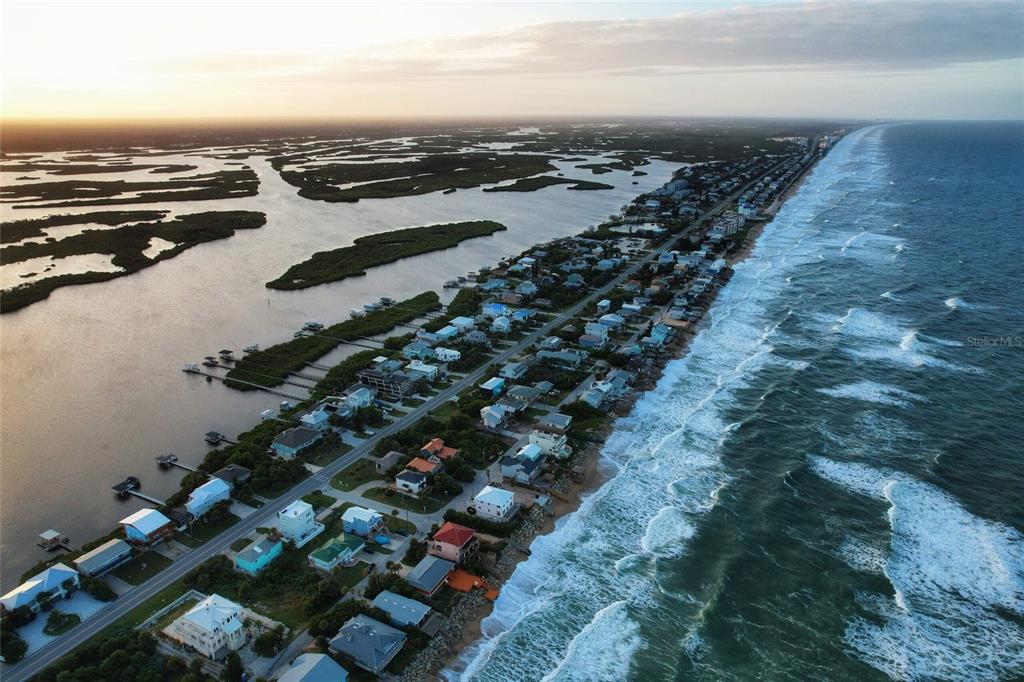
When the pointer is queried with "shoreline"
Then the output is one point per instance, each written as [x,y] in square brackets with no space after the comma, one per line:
[594,478]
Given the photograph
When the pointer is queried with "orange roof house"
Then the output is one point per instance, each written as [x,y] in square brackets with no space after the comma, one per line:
[453,542]
[437,448]
[421,465]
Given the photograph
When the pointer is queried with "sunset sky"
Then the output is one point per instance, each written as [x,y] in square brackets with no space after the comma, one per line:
[899,59]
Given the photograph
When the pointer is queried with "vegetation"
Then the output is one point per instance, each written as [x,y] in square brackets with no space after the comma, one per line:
[141,568]
[125,655]
[269,642]
[270,366]
[502,529]
[225,184]
[319,499]
[379,249]
[51,168]
[361,471]
[17,230]
[433,173]
[126,245]
[540,182]
[98,589]
[12,646]
[58,623]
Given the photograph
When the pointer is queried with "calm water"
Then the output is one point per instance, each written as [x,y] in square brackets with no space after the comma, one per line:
[92,389]
[833,487]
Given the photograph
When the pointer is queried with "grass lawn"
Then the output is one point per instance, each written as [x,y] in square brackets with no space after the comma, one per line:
[445,411]
[205,531]
[319,499]
[240,544]
[351,575]
[413,402]
[186,540]
[61,623]
[329,455]
[141,568]
[397,523]
[427,505]
[362,471]
[173,615]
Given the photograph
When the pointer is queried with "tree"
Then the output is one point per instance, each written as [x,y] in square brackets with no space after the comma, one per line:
[269,642]
[233,668]
[12,646]
[98,589]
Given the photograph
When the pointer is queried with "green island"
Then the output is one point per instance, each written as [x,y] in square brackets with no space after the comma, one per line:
[269,367]
[533,184]
[380,249]
[431,174]
[93,168]
[18,230]
[126,245]
[64,193]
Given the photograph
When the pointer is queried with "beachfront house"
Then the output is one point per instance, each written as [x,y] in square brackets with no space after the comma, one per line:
[361,521]
[202,499]
[147,527]
[553,444]
[430,574]
[213,627]
[555,422]
[314,668]
[338,551]
[57,581]
[402,611]
[568,359]
[494,504]
[290,443]
[368,642]
[453,542]
[104,558]
[259,554]
[524,466]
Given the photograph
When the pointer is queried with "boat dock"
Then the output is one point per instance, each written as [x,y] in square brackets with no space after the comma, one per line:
[170,460]
[51,540]
[192,369]
[214,438]
[131,486]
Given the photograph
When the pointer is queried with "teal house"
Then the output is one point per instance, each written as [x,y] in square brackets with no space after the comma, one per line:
[259,554]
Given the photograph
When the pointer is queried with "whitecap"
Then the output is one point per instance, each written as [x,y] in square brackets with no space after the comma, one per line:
[872,392]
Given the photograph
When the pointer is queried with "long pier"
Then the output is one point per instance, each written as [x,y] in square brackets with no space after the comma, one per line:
[274,391]
[130,486]
[169,460]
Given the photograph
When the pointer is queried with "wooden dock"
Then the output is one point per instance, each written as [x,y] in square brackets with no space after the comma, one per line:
[170,460]
[130,486]
[273,391]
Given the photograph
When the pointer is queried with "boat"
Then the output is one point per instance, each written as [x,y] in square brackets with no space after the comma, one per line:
[451,284]
[386,301]
[298,334]
[461,279]
[190,367]
[251,349]
[210,361]
[357,312]
[371,307]
[312,326]
[450,190]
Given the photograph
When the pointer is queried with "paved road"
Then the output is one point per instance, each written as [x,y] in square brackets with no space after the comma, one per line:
[116,610]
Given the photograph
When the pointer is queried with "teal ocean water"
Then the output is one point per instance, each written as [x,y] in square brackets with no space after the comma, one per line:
[830,485]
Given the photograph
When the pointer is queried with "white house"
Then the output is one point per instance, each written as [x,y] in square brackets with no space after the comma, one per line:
[494,504]
[463,324]
[202,499]
[51,582]
[316,419]
[603,306]
[554,444]
[597,330]
[447,354]
[612,320]
[411,483]
[501,325]
[493,416]
[361,521]
[425,370]
[298,523]
[213,627]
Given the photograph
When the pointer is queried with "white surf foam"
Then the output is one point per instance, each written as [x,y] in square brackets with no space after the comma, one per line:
[872,392]
[955,576]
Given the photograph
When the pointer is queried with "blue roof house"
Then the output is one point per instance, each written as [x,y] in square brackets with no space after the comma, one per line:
[493,310]
[501,325]
[495,386]
[259,554]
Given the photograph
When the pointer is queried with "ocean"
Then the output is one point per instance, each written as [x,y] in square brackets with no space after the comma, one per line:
[830,485]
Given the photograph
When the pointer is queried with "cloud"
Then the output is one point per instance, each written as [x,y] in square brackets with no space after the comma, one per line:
[862,36]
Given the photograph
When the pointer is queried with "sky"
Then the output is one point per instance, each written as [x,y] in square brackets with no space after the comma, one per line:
[306,59]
